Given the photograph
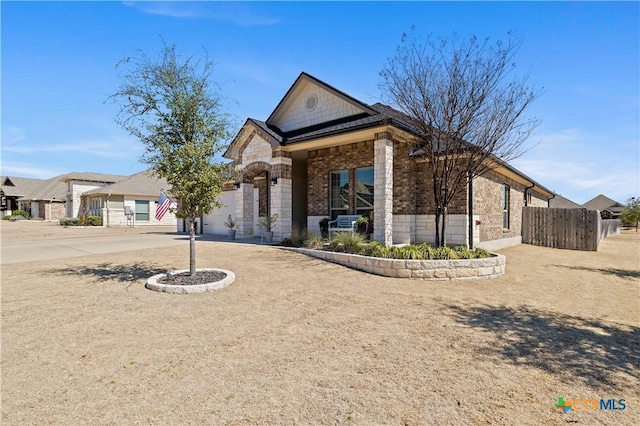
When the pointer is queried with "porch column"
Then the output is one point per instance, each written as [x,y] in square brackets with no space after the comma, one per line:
[244,210]
[281,205]
[281,195]
[383,189]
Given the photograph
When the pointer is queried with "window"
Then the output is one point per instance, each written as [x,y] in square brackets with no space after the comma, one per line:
[142,210]
[364,191]
[339,193]
[505,206]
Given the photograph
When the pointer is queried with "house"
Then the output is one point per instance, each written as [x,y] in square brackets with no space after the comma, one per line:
[11,189]
[608,208]
[46,200]
[79,183]
[137,193]
[322,153]
[560,202]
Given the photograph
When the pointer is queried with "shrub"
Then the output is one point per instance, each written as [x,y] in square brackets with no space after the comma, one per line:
[7,217]
[70,221]
[22,213]
[411,252]
[347,242]
[444,253]
[426,250]
[481,253]
[314,242]
[15,217]
[93,221]
[375,249]
[464,253]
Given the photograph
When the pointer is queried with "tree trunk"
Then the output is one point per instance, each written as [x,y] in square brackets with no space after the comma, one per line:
[443,239]
[192,247]
[437,227]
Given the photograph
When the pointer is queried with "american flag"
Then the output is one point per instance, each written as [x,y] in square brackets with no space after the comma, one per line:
[164,203]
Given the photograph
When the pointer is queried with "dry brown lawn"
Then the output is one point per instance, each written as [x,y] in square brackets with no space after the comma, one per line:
[296,341]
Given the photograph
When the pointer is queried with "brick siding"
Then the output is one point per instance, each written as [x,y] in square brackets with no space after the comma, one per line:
[321,162]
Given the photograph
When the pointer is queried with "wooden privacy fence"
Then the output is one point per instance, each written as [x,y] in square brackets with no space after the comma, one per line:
[574,229]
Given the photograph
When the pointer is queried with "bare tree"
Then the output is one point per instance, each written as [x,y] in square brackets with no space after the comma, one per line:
[465,106]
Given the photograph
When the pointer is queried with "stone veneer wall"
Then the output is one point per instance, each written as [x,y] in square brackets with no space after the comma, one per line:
[436,270]
[408,229]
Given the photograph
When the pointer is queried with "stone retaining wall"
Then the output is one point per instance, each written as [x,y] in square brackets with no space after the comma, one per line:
[436,270]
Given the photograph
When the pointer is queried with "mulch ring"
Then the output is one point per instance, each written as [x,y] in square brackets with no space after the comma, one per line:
[200,277]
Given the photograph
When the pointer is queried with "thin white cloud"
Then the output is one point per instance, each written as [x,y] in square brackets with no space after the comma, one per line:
[28,170]
[580,165]
[231,12]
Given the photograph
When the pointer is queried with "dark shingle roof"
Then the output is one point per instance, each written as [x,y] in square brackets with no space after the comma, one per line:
[18,186]
[601,203]
[92,177]
[560,202]
[145,183]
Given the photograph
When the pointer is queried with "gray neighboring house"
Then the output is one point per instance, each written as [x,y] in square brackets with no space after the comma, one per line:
[560,202]
[78,183]
[608,208]
[12,189]
[139,193]
[46,201]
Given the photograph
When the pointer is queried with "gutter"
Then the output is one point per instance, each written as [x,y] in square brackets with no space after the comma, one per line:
[526,193]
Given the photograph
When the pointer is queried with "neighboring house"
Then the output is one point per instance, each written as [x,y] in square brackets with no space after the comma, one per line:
[47,200]
[139,193]
[11,189]
[559,202]
[322,153]
[79,183]
[609,209]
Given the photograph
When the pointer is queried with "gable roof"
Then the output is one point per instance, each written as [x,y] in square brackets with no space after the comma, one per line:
[53,189]
[18,186]
[298,85]
[363,117]
[560,202]
[601,203]
[92,177]
[145,183]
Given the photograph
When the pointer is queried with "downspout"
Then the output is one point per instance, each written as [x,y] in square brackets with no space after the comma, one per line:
[108,224]
[526,194]
[470,211]
[549,200]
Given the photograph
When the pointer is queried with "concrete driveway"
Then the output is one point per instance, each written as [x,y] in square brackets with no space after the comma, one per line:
[34,242]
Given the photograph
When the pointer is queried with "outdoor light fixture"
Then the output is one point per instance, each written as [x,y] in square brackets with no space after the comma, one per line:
[274,181]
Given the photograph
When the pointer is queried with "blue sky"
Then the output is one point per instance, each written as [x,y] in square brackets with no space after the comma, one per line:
[58,68]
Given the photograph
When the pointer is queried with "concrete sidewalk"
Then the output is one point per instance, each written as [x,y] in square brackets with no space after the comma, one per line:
[60,248]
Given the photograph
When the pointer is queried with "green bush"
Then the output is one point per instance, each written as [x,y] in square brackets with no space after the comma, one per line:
[375,249]
[410,252]
[444,253]
[463,252]
[22,213]
[347,242]
[93,221]
[70,221]
[481,253]
[15,217]
[7,217]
